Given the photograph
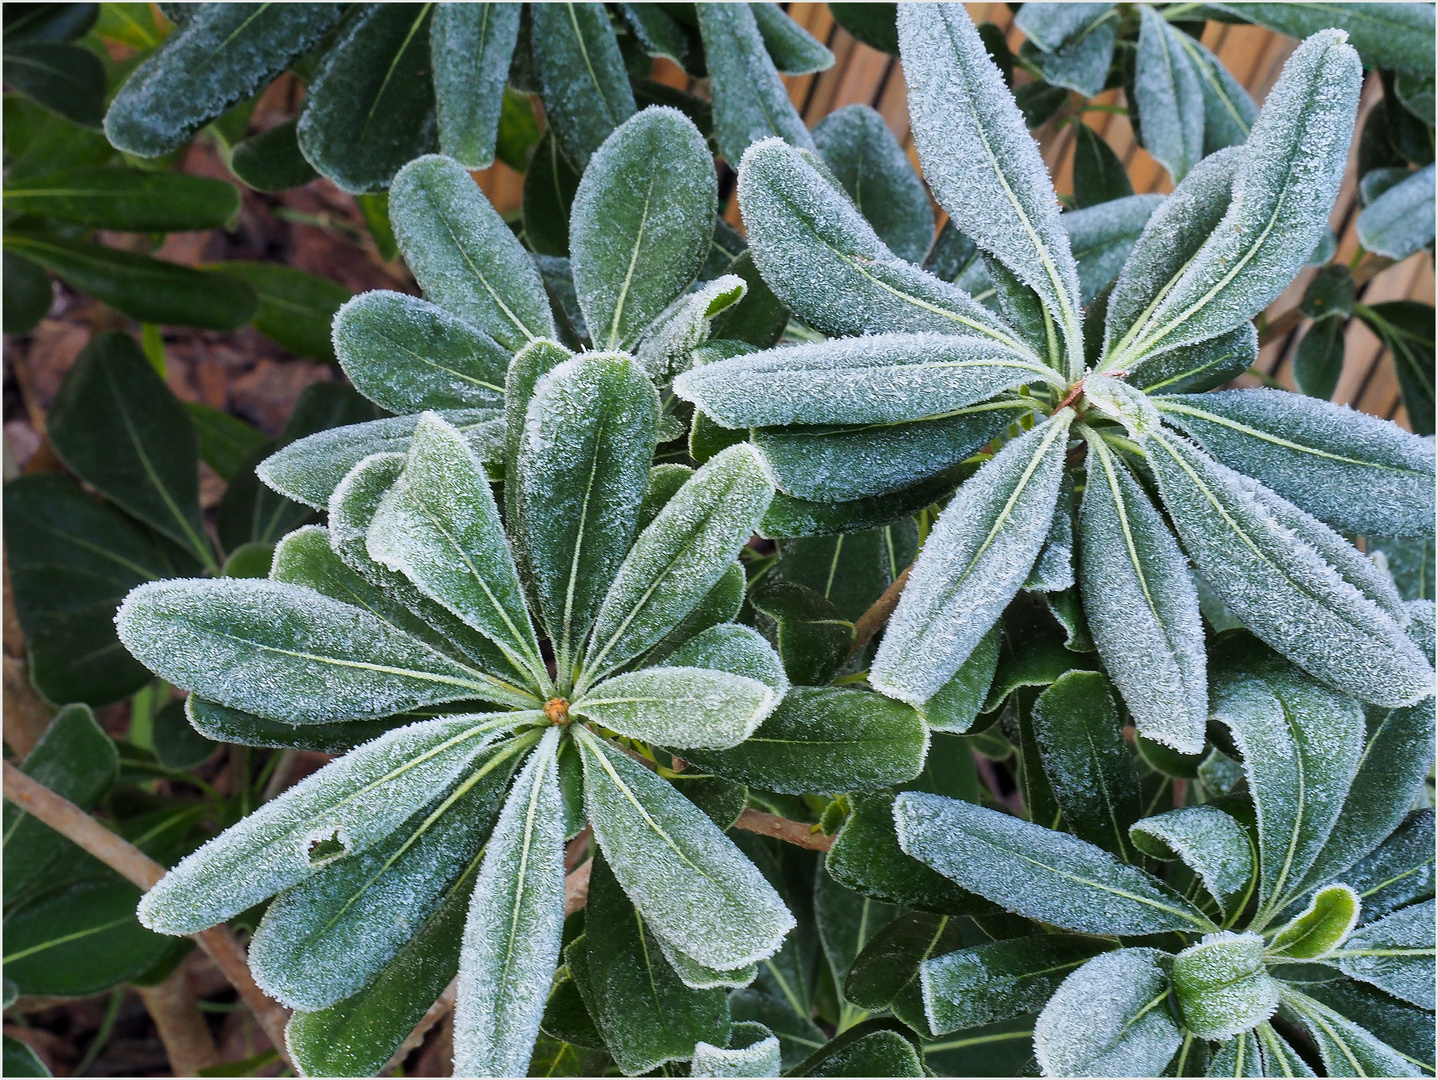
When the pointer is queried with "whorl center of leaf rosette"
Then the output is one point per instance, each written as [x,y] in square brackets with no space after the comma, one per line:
[557,711]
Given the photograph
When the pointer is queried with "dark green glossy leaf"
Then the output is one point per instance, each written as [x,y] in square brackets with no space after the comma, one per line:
[128,200]
[20,1060]
[271,160]
[549,187]
[873,1048]
[1386,35]
[65,79]
[1318,360]
[872,24]
[28,294]
[1099,176]
[177,744]
[296,308]
[226,441]
[793,49]
[812,639]
[1406,329]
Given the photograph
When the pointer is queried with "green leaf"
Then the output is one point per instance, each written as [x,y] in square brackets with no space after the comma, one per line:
[1102,238]
[694,888]
[1331,292]
[1406,329]
[225,725]
[1222,985]
[753,1050]
[177,744]
[1320,928]
[464,256]
[1394,954]
[1345,1048]
[582,78]
[645,1013]
[875,172]
[641,225]
[374,209]
[812,640]
[1386,35]
[1309,450]
[116,425]
[888,968]
[1038,873]
[1405,1028]
[66,79]
[659,32]
[685,325]
[1210,843]
[1228,111]
[128,200]
[471,46]
[1082,62]
[225,440]
[150,290]
[549,187]
[582,468]
[20,1060]
[28,294]
[681,707]
[1318,360]
[871,24]
[793,49]
[957,703]
[873,1048]
[512,933]
[215,58]
[1108,1018]
[296,308]
[852,570]
[1141,605]
[1195,368]
[750,101]
[977,557]
[1099,176]
[371,105]
[1294,584]
[678,559]
[353,804]
[1398,222]
[1168,94]
[439,526]
[271,160]
[826,739]
[1088,764]
[983,167]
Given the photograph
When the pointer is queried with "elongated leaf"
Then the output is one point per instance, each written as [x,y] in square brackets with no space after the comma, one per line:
[1088,764]
[329,936]
[826,264]
[826,739]
[1394,954]
[1141,606]
[1082,64]
[1309,450]
[750,101]
[1228,111]
[64,78]
[977,556]
[1283,189]
[1210,843]
[271,161]
[351,804]
[982,165]
[1168,93]
[1298,598]
[882,378]
[1406,1029]
[295,309]
[1403,326]
[1222,986]
[1398,222]
[980,985]
[128,200]
[679,558]
[1387,35]
[753,1050]
[549,187]
[464,256]
[1102,237]
[512,934]
[147,289]
[470,47]
[1108,1019]
[218,56]
[1099,176]
[688,880]
[686,324]
[1195,368]
[868,161]
[1084,888]
[28,294]
[680,707]
[793,49]
[440,527]
[874,1048]
[219,723]
[1346,1048]
[1320,927]
[641,225]
[585,89]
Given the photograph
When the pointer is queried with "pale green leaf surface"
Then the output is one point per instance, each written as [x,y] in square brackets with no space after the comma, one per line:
[1169,95]
[1400,221]
[470,47]
[686,324]
[793,49]
[681,707]
[581,74]
[1222,985]
[998,980]
[1210,843]
[750,101]
[1394,954]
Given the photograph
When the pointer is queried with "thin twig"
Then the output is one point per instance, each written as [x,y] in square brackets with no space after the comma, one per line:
[130,862]
[188,1042]
[791,832]
[868,624]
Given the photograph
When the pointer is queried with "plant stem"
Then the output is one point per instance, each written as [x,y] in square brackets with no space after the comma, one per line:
[188,1042]
[791,832]
[869,623]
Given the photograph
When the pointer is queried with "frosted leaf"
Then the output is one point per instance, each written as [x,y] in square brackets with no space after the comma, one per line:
[1102,237]
[407,355]
[826,264]
[290,653]
[1223,986]
[1321,927]
[1141,606]
[698,977]
[1283,190]
[1394,954]
[471,46]
[308,470]
[1052,26]
[1174,233]
[511,937]
[1241,1056]
[529,365]
[750,101]
[554,271]
[331,935]
[881,378]
[1400,221]
[1083,64]
[875,172]
[1356,472]
[685,325]
[721,604]
[1388,35]
[1108,1018]
[659,34]
[981,163]
[1243,539]
[220,724]
[1041,874]
[582,467]
[439,526]
[739,650]
[641,224]
[1168,93]
[582,79]
[1209,842]
[1300,743]
[1054,570]
[1228,111]
[1198,367]
[977,557]
[959,701]
[463,255]
[1345,1048]
[679,706]
[793,49]
[688,880]
[357,800]
[1398,871]
[754,1051]
[1000,979]
[679,558]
